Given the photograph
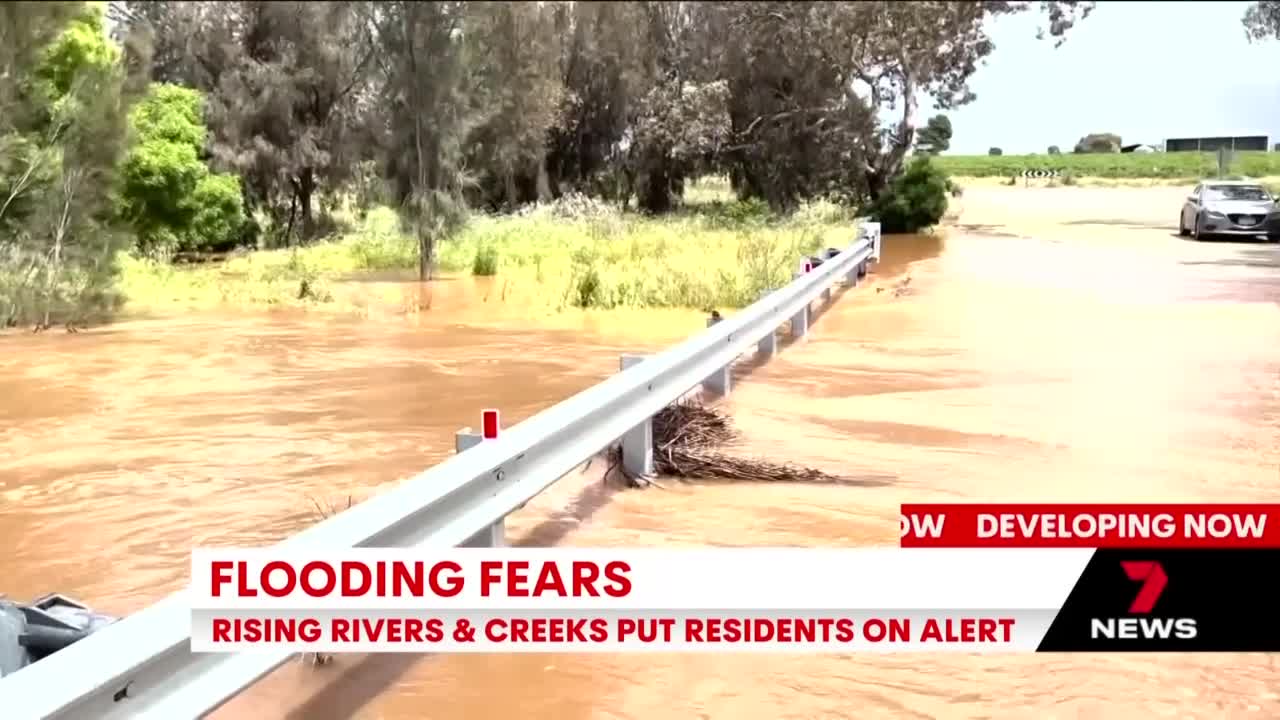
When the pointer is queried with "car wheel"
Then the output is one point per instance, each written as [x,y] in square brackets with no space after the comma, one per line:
[1275,238]
[1198,231]
[1182,229]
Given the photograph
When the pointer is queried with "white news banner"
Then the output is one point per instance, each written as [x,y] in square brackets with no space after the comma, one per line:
[618,600]
[532,631]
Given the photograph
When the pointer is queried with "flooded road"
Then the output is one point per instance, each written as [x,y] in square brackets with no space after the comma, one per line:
[1056,345]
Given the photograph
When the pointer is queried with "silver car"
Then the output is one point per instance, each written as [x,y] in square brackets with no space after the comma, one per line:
[1230,207]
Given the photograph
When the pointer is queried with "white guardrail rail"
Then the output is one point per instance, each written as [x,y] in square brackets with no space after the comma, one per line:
[142,666]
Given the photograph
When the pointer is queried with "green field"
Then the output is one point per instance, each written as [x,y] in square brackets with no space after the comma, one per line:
[1113,165]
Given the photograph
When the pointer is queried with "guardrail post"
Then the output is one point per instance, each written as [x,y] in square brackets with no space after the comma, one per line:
[637,443]
[800,323]
[496,534]
[873,228]
[718,381]
[856,272]
[768,345]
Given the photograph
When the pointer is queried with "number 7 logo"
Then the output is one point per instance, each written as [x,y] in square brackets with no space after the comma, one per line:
[1151,575]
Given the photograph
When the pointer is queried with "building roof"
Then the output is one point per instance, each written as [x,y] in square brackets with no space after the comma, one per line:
[1218,135]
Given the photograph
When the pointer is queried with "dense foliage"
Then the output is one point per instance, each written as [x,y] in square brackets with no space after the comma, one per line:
[254,121]
[1262,20]
[935,136]
[65,93]
[916,199]
[169,196]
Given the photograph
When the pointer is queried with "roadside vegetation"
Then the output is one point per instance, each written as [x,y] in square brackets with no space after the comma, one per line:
[1113,165]
[286,144]
[572,252]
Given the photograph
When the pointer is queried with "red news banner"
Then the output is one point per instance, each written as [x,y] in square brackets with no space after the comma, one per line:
[1234,526]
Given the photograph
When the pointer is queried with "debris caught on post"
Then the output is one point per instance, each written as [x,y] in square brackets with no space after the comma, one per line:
[687,441]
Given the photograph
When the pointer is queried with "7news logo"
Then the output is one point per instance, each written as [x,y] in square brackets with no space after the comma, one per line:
[1153,581]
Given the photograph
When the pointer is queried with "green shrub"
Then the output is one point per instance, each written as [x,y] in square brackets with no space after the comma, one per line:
[995,152]
[218,217]
[170,113]
[83,44]
[160,178]
[169,196]
[589,288]
[915,200]
[736,213]
[486,261]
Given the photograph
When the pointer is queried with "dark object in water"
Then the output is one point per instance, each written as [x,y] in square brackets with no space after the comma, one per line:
[816,261]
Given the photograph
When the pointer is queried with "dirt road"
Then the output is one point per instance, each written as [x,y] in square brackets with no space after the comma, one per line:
[1053,345]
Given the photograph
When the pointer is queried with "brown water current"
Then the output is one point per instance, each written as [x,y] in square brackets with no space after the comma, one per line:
[1051,345]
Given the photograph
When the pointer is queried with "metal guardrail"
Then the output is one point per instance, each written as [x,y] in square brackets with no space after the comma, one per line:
[142,666]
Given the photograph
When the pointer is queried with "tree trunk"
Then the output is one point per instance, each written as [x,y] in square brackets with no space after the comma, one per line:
[655,191]
[890,164]
[306,188]
[544,178]
[293,214]
[425,249]
[513,197]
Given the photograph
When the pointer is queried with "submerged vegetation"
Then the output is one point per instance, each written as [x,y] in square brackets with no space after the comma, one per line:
[574,252]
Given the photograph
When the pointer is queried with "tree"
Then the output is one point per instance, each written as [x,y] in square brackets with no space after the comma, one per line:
[995,151]
[168,195]
[680,123]
[426,115]
[516,95]
[1098,143]
[602,73]
[282,82]
[1054,150]
[1262,20]
[175,32]
[63,133]
[810,81]
[935,136]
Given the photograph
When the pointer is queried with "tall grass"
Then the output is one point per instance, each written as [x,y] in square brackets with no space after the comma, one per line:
[575,252]
[1181,165]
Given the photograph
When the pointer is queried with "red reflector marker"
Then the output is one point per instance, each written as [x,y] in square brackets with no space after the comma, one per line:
[489,424]
[808,267]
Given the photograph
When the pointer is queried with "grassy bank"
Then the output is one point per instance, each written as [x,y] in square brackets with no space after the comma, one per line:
[1112,165]
[574,253]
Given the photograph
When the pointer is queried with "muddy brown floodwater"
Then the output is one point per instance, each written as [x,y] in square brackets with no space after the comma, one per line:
[1054,345]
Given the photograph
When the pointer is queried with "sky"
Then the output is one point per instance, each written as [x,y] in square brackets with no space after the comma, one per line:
[1144,70]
